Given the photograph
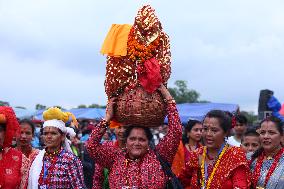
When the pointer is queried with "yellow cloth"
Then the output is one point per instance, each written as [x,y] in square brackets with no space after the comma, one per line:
[56,113]
[115,43]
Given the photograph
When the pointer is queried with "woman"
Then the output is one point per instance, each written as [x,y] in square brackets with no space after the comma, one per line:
[216,165]
[13,164]
[100,178]
[56,166]
[138,166]
[193,132]
[27,129]
[268,162]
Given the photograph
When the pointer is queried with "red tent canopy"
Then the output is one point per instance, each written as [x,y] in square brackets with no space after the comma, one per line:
[282,110]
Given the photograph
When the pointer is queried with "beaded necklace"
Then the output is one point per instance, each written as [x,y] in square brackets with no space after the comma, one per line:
[258,166]
[46,172]
[192,149]
[204,183]
[127,176]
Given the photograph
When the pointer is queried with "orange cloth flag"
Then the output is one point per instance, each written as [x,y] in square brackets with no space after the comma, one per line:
[114,124]
[178,162]
[115,43]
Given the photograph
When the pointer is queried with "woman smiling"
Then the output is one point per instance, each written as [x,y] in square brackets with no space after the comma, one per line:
[137,166]
[268,162]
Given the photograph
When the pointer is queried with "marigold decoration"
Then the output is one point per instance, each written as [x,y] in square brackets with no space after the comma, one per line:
[140,52]
[146,40]
[147,65]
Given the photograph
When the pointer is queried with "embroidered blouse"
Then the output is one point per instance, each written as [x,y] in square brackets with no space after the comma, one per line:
[67,171]
[232,172]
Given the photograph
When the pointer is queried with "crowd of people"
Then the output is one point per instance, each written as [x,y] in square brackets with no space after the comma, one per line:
[220,152]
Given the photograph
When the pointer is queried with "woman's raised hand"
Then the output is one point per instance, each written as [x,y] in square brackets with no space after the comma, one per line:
[110,109]
[165,92]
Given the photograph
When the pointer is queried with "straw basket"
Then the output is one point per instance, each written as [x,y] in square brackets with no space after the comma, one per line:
[137,107]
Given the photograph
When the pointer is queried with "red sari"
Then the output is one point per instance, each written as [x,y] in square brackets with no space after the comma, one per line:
[232,172]
[13,169]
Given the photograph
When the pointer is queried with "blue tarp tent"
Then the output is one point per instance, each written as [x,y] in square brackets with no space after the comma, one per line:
[38,115]
[80,113]
[186,111]
[88,113]
[197,111]
[23,113]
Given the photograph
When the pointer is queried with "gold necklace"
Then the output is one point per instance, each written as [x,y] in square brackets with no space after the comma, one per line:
[214,169]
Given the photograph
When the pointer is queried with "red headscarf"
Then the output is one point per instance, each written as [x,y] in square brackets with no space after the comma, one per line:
[12,125]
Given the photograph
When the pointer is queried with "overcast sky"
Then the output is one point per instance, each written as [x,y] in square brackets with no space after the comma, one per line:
[227,50]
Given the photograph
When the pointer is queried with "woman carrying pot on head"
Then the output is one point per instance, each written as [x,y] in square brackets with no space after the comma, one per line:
[138,166]
[13,164]
[216,165]
[56,166]
[268,161]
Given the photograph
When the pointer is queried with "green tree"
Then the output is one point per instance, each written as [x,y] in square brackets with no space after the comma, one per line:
[251,116]
[3,103]
[40,107]
[94,106]
[82,106]
[182,94]
[21,107]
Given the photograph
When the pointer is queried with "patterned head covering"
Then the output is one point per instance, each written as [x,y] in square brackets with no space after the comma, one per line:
[54,117]
[12,127]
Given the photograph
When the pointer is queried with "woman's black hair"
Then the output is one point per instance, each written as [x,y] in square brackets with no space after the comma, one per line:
[279,127]
[276,121]
[30,123]
[147,131]
[190,124]
[223,118]
[3,125]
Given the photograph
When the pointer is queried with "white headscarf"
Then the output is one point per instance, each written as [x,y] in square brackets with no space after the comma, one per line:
[66,130]
[37,164]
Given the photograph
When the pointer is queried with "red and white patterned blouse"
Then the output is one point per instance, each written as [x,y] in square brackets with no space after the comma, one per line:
[13,169]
